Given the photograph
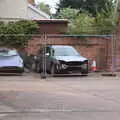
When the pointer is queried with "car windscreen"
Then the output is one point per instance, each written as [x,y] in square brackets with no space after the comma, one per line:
[65,51]
[7,52]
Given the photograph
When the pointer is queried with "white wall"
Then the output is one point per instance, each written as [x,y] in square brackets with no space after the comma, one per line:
[13,9]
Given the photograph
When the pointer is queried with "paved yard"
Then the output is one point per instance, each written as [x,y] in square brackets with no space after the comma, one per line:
[29,97]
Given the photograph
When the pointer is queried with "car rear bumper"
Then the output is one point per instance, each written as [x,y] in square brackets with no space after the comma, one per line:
[11,70]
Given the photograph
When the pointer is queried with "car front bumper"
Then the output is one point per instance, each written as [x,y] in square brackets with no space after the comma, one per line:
[11,69]
[70,68]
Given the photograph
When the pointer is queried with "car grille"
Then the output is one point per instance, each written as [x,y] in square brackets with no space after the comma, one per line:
[74,63]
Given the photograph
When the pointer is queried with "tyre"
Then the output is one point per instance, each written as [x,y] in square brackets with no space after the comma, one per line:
[53,70]
[85,72]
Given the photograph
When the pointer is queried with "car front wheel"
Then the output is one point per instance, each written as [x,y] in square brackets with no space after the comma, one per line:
[84,72]
[53,70]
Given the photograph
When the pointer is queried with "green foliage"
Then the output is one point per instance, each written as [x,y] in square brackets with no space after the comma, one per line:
[44,7]
[68,13]
[92,6]
[15,34]
[105,21]
[83,23]
[79,23]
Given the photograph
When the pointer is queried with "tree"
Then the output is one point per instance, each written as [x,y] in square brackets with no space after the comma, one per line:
[83,23]
[16,34]
[105,21]
[68,13]
[92,6]
[79,23]
[44,7]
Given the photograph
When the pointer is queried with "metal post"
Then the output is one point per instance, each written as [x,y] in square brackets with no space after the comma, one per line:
[43,73]
[113,54]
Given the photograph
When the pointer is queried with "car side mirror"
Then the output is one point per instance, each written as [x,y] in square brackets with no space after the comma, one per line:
[47,54]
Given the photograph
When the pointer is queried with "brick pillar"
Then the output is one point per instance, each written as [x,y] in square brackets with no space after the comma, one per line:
[118,37]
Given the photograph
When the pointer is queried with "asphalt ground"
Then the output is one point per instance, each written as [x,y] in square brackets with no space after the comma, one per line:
[76,97]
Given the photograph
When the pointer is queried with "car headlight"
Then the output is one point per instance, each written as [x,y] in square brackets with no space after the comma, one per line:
[84,66]
[64,66]
[21,61]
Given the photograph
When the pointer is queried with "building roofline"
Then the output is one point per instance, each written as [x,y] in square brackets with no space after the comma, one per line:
[52,21]
[39,11]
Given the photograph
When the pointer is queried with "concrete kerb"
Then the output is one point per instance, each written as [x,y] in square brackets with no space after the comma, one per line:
[104,74]
[110,74]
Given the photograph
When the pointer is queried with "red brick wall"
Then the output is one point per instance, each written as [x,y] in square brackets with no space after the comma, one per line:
[118,47]
[52,28]
[91,47]
[117,37]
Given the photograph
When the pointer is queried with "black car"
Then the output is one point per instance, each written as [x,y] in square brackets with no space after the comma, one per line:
[60,59]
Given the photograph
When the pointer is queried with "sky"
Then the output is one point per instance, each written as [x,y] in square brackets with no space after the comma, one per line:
[52,4]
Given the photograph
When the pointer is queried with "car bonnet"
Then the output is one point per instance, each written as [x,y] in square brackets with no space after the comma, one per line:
[70,58]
